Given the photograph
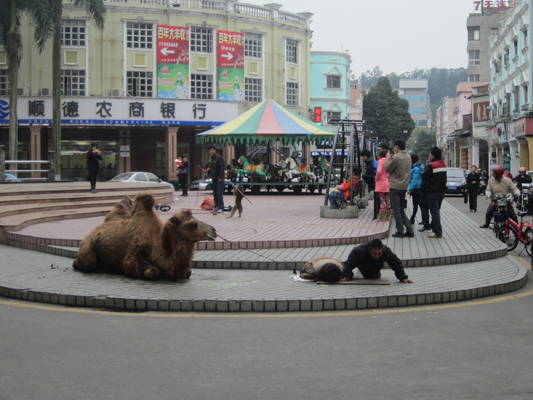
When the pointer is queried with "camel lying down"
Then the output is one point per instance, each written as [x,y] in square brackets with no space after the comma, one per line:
[137,243]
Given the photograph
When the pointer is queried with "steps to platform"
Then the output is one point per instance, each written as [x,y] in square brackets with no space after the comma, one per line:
[29,204]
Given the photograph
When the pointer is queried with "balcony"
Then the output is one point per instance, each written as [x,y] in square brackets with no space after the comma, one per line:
[270,11]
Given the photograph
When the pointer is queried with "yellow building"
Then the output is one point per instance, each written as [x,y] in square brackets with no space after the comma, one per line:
[160,72]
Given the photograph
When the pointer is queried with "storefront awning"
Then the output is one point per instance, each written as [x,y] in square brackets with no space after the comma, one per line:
[267,120]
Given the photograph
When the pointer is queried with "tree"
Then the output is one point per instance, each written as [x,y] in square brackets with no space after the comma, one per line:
[47,26]
[386,114]
[420,142]
[10,31]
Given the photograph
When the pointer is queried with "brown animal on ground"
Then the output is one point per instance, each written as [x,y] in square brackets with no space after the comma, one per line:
[142,246]
[121,210]
[238,192]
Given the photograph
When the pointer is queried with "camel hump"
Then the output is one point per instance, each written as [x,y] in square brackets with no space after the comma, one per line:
[143,201]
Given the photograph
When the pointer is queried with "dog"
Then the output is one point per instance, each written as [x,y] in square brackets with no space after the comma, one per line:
[238,192]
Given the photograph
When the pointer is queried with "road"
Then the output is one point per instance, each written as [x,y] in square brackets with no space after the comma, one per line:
[471,350]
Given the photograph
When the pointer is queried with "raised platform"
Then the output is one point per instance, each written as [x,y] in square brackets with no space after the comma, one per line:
[467,263]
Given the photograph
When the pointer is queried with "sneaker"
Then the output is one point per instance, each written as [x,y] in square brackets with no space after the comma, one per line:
[93,191]
[410,235]
[398,235]
[215,211]
[484,226]
[424,229]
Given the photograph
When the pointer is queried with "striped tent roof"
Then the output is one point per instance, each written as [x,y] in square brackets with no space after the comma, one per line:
[267,120]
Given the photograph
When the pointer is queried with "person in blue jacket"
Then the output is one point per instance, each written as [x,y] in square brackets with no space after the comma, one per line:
[415,181]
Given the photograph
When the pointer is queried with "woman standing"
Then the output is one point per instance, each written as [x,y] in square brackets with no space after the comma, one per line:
[382,185]
[415,181]
[472,188]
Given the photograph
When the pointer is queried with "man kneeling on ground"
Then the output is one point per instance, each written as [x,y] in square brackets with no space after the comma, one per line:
[369,258]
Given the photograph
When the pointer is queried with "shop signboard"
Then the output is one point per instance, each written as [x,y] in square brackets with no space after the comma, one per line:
[172,62]
[502,132]
[481,113]
[495,136]
[230,66]
[124,151]
[511,131]
[506,159]
[121,111]
[520,128]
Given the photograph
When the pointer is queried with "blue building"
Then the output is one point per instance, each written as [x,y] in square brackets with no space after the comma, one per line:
[330,85]
[415,91]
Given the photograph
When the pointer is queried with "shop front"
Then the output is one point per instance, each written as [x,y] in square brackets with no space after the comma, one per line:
[133,134]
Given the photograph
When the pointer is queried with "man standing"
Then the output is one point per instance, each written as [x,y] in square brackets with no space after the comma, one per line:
[369,258]
[93,165]
[369,176]
[217,176]
[183,171]
[435,174]
[399,168]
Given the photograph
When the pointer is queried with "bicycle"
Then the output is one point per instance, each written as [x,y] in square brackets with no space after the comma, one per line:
[511,233]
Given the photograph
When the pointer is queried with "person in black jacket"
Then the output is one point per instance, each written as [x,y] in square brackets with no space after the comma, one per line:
[435,175]
[472,188]
[522,177]
[183,171]
[93,165]
[369,258]
[217,175]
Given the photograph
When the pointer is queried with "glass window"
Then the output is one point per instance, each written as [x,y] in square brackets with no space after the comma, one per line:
[201,86]
[73,82]
[152,178]
[473,78]
[292,94]
[333,81]
[473,33]
[140,177]
[140,83]
[292,51]
[473,57]
[72,32]
[333,115]
[253,46]
[4,83]
[138,36]
[252,90]
[201,39]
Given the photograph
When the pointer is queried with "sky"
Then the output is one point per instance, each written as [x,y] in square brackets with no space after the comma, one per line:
[396,35]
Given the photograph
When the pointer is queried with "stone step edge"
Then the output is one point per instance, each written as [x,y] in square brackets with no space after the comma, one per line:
[265,305]
[164,195]
[30,242]
[72,252]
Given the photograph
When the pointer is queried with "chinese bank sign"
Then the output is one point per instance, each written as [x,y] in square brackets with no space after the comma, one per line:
[485,5]
[121,111]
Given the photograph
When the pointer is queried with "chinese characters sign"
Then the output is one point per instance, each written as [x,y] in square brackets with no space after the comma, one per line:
[122,111]
[230,66]
[481,113]
[493,4]
[172,62]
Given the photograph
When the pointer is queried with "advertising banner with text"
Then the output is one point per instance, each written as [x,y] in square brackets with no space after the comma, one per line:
[230,66]
[172,62]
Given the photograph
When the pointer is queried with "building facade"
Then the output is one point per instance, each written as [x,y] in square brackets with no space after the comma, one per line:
[415,91]
[480,27]
[160,72]
[511,127]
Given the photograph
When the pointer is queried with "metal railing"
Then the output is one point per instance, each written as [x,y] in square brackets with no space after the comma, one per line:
[15,172]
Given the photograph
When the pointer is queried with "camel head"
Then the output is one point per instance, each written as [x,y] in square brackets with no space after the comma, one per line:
[184,227]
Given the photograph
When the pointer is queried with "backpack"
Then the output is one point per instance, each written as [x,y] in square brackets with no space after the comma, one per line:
[208,204]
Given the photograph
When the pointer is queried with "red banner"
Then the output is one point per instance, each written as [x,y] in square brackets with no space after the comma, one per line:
[230,49]
[481,113]
[172,44]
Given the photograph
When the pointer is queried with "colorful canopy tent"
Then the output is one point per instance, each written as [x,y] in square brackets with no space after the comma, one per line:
[267,120]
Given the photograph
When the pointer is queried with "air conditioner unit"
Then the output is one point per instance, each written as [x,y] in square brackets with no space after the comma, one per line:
[117,92]
[23,91]
[46,91]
